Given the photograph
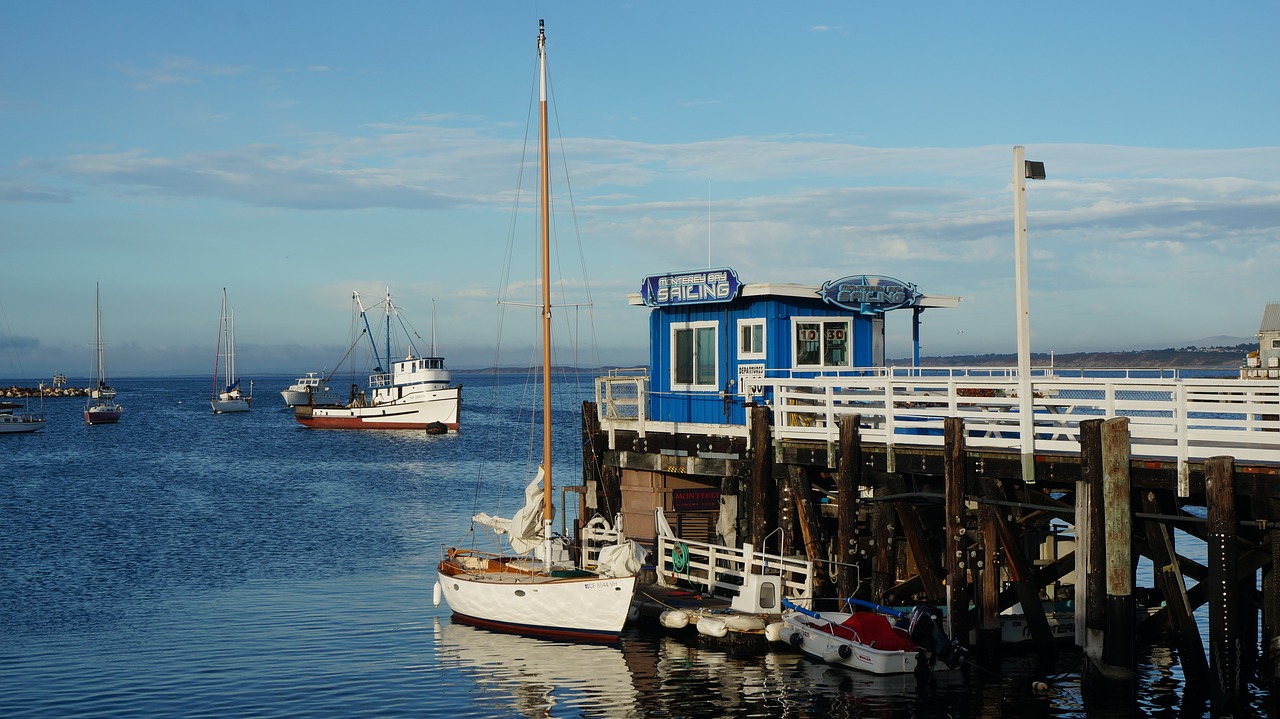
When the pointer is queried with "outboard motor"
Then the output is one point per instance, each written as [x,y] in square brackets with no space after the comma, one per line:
[925,629]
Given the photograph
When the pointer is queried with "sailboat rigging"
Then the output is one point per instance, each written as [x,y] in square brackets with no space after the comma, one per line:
[227,396]
[101,407]
[544,595]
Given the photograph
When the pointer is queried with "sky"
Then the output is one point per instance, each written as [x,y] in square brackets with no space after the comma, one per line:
[295,152]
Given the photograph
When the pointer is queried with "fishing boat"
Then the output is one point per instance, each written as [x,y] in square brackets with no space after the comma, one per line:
[416,393]
[227,396]
[302,390]
[870,637]
[536,589]
[13,421]
[101,406]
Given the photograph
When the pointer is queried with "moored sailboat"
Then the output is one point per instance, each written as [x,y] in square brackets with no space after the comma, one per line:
[227,395]
[536,589]
[101,407]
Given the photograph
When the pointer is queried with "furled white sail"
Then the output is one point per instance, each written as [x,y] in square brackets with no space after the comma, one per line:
[525,527]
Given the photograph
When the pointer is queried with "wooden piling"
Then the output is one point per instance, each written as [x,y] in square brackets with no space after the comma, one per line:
[959,593]
[1117,650]
[1224,641]
[763,496]
[802,500]
[848,478]
[1091,585]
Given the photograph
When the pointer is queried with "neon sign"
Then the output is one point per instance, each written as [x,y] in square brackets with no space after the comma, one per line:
[869,294]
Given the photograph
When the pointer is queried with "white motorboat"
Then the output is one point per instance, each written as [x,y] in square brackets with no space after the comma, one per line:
[879,641]
[303,390]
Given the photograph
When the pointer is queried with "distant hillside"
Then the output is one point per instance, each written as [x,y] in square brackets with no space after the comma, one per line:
[1184,357]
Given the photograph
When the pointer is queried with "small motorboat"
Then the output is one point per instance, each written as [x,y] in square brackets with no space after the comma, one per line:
[877,639]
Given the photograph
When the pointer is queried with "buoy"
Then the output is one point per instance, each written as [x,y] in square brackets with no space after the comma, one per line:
[674,619]
[845,651]
[712,626]
[435,595]
[773,631]
[1040,687]
[796,639]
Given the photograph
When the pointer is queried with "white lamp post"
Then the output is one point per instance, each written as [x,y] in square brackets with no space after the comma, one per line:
[1023,171]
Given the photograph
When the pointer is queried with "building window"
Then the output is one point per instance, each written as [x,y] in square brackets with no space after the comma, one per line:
[822,343]
[693,356]
[751,342]
[1275,343]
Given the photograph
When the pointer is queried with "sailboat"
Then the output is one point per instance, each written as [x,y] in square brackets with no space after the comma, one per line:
[229,398]
[545,594]
[101,406]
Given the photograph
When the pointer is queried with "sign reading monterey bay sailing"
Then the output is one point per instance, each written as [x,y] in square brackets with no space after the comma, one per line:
[687,288]
[869,294]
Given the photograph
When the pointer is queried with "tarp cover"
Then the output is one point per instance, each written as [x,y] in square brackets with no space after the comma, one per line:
[621,560]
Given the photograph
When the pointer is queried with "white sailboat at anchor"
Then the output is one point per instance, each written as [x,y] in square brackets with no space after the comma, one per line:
[101,407]
[535,589]
[227,395]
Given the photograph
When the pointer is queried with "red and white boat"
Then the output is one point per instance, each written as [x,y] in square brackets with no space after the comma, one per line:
[416,394]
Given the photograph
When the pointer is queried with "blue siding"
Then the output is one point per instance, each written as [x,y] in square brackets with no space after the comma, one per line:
[723,404]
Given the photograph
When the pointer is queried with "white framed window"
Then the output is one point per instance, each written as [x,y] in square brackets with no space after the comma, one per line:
[751,339]
[693,356]
[822,342]
[1275,343]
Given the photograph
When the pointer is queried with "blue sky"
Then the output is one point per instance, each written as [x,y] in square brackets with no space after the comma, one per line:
[295,151]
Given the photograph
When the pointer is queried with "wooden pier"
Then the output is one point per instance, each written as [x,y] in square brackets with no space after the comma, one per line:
[947,487]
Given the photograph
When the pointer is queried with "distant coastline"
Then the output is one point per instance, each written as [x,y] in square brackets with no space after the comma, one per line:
[1191,357]
[1172,358]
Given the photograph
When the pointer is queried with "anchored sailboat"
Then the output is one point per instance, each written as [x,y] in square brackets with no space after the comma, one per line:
[101,407]
[227,396]
[544,594]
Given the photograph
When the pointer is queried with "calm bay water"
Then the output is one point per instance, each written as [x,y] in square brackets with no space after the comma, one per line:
[183,564]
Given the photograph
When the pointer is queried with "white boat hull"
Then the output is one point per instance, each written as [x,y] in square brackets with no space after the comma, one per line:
[577,609]
[416,410]
[224,406]
[807,635]
[19,424]
[293,397]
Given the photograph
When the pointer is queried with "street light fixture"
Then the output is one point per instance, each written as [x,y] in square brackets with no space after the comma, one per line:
[1024,170]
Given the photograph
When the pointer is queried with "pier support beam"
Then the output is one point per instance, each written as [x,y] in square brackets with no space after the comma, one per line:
[1117,651]
[1173,587]
[959,592]
[802,500]
[763,488]
[1091,585]
[1225,643]
[848,479]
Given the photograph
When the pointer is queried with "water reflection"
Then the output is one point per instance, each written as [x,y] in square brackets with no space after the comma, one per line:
[537,678]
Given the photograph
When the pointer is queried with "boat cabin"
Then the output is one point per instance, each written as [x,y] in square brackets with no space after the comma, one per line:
[710,335]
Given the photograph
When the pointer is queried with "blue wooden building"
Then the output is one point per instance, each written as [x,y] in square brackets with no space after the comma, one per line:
[709,333]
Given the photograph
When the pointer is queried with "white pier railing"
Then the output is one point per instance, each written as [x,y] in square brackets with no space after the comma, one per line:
[718,570]
[1171,417]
